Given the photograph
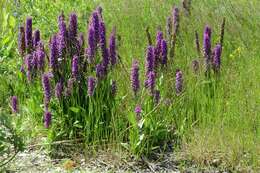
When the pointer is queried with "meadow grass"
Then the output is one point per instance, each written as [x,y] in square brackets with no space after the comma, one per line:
[222,128]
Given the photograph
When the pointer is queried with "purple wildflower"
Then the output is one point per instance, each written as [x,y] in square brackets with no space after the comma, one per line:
[113,88]
[28,62]
[62,37]
[81,41]
[58,90]
[90,51]
[179,82]
[102,30]
[104,50]
[207,46]
[149,59]
[47,119]
[91,85]
[53,53]
[95,25]
[99,71]
[28,34]
[156,96]
[157,50]
[34,61]
[40,59]
[164,52]
[36,38]
[73,26]
[176,20]
[62,26]
[74,66]
[21,41]
[135,76]
[69,88]
[14,104]
[47,89]
[217,57]
[112,48]
[150,81]
[138,111]
[105,60]
[50,74]
[40,46]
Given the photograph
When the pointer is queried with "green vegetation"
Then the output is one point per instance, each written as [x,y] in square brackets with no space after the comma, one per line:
[214,122]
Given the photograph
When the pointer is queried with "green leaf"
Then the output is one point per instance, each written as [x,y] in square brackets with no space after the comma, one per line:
[77,124]
[74,109]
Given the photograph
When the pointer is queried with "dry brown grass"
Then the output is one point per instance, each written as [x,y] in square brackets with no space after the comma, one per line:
[212,148]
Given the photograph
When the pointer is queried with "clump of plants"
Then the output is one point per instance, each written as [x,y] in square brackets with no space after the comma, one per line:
[77,82]
[75,75]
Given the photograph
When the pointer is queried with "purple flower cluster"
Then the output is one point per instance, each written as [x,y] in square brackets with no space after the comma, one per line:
[135,83]
[95,24]
[217,57]
[46,89]
[69,89]
[59,90]
[74,67]
[21,41]
[179,82]
[28,62]
[150,60]
[73,26]
[157,50]
[34,61]
[90,51]
[112,48]
[138,111]
[14,104]
[207,46]
[47,119]
[81,41]
[53,53]
[62,37]
[164,52]
[28,34]
[40,59]
[150,81]
[66,59]
[103,45]
[36,38]
[100,71]
[91,85]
